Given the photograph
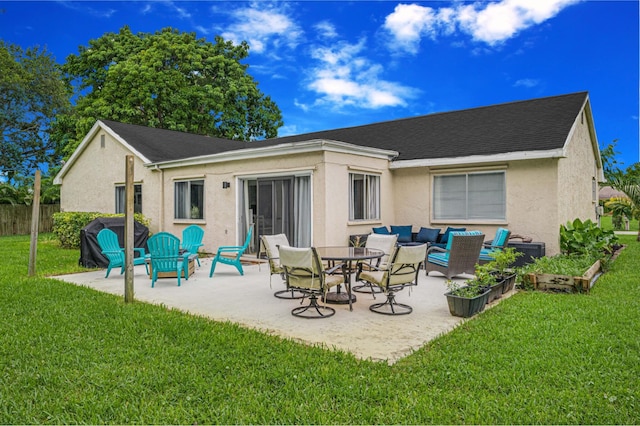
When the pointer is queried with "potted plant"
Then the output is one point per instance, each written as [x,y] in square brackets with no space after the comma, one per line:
[468,299]
[500,267]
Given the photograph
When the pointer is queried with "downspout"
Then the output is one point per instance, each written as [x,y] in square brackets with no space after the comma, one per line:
[162,209]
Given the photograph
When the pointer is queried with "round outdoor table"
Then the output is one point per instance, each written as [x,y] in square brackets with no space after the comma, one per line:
[346,255]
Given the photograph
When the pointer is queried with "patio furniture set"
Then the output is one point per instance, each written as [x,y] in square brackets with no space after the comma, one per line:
[167,257]
[388,263]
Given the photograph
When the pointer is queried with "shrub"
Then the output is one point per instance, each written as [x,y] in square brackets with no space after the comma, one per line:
[586,238]
[67,225]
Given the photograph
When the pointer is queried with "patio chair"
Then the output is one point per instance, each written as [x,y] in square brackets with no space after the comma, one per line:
[192,240]
[500,242]
[108,241]
[402,271]
[271,244]
[386,243]
[234,251]
[304,272]
[164,253]
[460,256]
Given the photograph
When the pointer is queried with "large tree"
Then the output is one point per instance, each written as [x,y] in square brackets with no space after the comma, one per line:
[32,92]
[168,80]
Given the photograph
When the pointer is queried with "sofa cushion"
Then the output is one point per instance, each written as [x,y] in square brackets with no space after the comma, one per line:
[441,259]
[463,233]
[428,235]
[381,230]
[404,233]
[445,237]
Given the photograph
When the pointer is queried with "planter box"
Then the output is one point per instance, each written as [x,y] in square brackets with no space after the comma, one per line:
[495,291]
[565,283]
[509,283]
[465,307]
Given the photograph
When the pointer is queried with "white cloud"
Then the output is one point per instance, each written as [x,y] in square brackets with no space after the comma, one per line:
[527,82]
[264,26]
[488,22]
[344,77]
[410,22]
[326,29]
[500,21]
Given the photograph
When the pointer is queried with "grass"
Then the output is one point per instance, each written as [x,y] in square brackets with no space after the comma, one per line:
[74,355]
[605,223]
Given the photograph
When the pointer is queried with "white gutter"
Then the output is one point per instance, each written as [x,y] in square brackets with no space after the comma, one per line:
[478,159]
[290,148]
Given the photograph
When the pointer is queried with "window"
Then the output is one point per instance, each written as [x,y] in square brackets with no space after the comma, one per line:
[137,198]
[470,196]
[189,199]
[364,196]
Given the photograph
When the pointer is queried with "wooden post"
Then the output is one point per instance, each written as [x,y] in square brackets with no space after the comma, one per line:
[128,231]
[35,220]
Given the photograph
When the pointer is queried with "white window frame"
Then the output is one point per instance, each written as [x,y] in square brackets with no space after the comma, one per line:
[456,203]
[367,205]
[180,212]
[120,198]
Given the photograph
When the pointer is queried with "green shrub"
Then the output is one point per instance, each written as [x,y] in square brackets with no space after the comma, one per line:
[586,238]
[67,225]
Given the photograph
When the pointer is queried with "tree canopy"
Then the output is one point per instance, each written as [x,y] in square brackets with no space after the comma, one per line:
[168,80]
[32,92]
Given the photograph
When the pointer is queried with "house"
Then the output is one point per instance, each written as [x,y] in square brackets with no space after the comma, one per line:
[529,166]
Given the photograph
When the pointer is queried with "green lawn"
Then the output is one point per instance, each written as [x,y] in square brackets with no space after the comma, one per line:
[605,223]
[75,355]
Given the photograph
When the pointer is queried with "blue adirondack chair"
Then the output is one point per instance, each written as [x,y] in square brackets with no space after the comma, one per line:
[234,251]
[192,239]
[108,241]
[164,250]
[500,242]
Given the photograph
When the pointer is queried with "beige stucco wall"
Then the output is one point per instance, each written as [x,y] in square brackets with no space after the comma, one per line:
[577,196]
[531,194]
[330,195]
[89,186]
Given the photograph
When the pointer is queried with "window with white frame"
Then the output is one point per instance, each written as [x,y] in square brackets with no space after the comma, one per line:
[137,198]
[364,196]
[470,196]
[189,199]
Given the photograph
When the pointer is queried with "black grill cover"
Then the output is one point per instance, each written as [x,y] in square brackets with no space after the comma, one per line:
[90,253]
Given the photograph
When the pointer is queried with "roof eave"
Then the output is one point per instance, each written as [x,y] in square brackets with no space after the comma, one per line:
[478,159]
[278,150]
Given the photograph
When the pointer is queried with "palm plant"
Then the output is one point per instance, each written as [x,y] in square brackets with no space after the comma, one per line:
[630,185]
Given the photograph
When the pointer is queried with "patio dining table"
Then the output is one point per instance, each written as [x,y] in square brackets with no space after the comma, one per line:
[347,255]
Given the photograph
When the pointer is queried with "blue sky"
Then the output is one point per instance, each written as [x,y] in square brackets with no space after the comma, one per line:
[330,64]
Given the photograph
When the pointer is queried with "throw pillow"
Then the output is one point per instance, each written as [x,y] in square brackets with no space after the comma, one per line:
[445,236]
[381,230]
[404,233]
[428,235]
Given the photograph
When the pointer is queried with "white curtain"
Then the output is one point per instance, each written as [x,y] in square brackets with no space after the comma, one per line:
[181,205]
[302,211]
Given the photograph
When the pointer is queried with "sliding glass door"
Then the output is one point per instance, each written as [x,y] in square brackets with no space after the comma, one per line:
[279,205]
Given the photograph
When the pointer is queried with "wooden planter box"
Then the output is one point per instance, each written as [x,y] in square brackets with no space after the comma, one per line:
[191,266]
[564,282]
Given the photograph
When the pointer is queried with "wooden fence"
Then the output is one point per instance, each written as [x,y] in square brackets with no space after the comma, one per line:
[16,220]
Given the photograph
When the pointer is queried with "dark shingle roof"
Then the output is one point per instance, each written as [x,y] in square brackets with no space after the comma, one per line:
[165,145]
[538,124]
[532,125]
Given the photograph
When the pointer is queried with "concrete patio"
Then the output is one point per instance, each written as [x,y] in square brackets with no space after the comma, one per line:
[248,300]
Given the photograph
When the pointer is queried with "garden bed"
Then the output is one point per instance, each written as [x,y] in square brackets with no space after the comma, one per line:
[565,283]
